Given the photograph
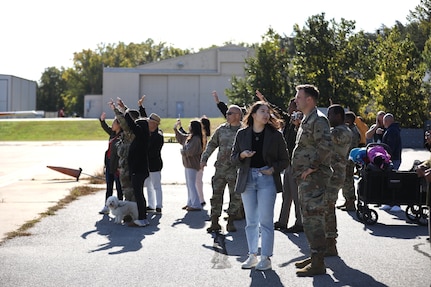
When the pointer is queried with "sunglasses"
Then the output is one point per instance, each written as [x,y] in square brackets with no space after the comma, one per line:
[230,113]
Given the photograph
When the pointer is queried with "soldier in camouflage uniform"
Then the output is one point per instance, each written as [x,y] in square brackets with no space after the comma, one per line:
[341,137]
[225,171]
[349,193]
[123,150]
[312,171]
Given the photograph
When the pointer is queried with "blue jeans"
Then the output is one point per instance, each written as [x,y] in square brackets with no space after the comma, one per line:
[259,199]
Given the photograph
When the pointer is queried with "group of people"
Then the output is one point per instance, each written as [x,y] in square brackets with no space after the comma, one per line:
[133,158]
[252,154]
[255,146]
[387,132]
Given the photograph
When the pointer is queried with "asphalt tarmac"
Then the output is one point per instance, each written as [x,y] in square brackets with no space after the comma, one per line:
[79,247]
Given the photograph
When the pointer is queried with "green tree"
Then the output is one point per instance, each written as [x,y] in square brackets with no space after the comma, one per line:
[268,72]
[345,66]
[50,89]
[419,27]
[314,50]
[399,73]
[133,55]
[85,78]
[329,55]
[426,56]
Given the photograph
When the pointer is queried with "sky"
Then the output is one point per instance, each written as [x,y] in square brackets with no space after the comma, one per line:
[36,35]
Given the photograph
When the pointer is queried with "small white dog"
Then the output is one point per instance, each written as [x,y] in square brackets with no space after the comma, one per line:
[122,208]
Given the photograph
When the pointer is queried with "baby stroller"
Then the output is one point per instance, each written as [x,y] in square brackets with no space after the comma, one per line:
[380,184]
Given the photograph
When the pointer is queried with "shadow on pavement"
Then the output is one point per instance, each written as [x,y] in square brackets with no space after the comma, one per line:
[344,275]
[193,219]
[223,248]
[231,243]
[129,241]
[265,278]
[397,231]
[402,231]
[299,240]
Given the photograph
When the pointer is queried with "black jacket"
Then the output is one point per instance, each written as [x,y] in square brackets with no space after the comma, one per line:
[138,151]
[155,145]
[275,154]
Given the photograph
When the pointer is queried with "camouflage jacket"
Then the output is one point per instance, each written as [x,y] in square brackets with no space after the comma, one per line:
[313,145]
[356,136]
[124,141]
[222,139]
[128,135]
[341,139]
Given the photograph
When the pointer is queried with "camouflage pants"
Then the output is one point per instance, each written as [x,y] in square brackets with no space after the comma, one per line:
[311,193]
[223,176]
[349,182]
[331,196]
[123,166]
[126,185]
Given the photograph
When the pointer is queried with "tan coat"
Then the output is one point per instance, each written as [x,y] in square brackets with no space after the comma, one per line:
[191,151]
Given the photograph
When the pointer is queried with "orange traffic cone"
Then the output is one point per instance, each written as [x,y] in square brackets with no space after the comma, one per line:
[69,171]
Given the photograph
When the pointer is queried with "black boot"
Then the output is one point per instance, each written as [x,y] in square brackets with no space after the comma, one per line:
[230,227]
[215,226]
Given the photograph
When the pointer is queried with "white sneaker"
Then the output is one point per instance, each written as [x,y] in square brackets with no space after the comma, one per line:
[105,210]
[141,222]
[250,262]
[385,207]
[264,263]
[396,208]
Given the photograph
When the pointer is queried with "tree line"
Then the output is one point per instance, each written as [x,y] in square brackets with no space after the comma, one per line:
[365,72]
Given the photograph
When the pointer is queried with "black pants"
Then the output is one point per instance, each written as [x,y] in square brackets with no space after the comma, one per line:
[110,179]
[138,179]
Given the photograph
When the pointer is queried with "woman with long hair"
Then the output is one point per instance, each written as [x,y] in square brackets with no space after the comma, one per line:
[260,152]
[206,133]
[112,174]
[192,147]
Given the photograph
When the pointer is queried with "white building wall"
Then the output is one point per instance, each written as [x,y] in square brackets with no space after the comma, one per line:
[156,90]
[181,85]
[183,97]
[17,94]
[93,106]
[4,95]
[213,83]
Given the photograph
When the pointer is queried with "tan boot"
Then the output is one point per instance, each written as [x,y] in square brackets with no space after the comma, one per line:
[349,206]
[331,247]
[230,227]
[303,263]
[316,267]
[215,226]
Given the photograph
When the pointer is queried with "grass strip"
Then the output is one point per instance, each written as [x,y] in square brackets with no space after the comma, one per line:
[74,129]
